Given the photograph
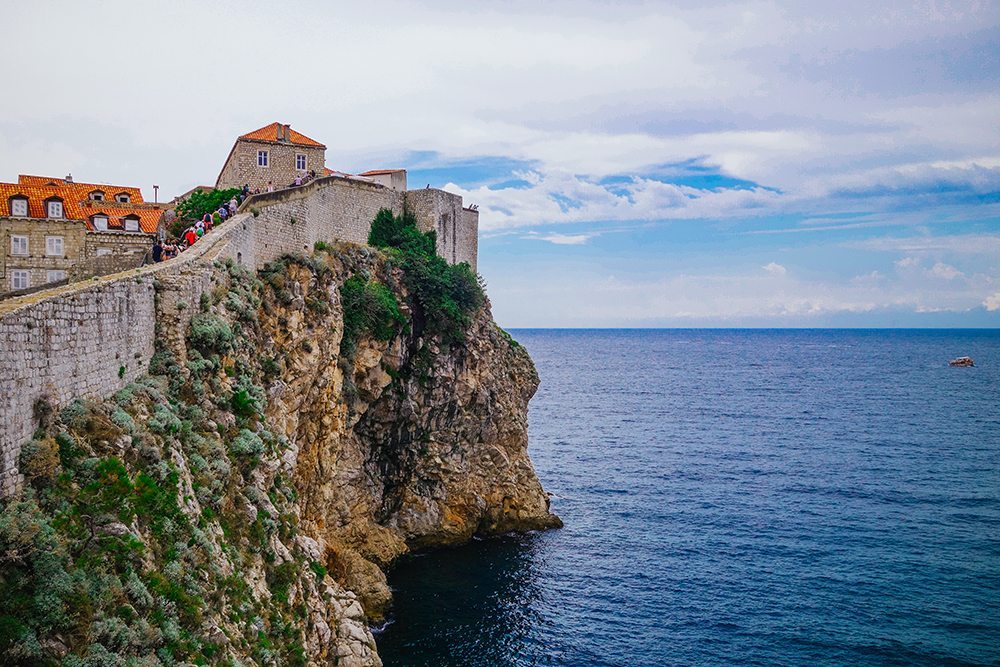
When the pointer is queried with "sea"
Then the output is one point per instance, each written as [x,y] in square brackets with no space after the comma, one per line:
[736,497]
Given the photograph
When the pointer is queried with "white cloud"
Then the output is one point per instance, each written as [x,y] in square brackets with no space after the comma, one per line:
[945,271]
[765,91]
[583,296]
[775,269]
[564,239]
[907,263]
[957,244]
[560,197]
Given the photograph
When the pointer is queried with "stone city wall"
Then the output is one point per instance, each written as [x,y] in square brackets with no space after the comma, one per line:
[457,228]
[91,339]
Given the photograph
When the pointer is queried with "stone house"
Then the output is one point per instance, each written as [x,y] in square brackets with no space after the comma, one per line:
[53,229]
[394,179]
[272,156]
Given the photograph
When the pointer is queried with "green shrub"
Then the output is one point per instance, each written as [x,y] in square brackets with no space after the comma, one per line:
[198,204]
[447,295]
[210,333]
[247,443]
[370,309]
[248,399]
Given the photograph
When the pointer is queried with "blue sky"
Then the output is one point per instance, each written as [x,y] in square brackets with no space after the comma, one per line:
[702,164]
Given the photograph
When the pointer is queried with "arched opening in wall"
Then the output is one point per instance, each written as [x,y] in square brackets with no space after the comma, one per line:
[239,258]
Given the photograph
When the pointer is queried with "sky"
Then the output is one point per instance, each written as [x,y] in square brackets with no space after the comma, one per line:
[683,164]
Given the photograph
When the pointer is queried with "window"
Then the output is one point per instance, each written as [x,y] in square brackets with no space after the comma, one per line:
[122,198]
[54,208]
[261,158]
[300,162]
[101,252]
[19,245]
[131,223]
[54,275]
[100,223]
[19,207]
[97,195]
[20,279]
[54,246]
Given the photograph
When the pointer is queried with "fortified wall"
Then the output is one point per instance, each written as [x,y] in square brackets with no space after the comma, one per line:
[91,339]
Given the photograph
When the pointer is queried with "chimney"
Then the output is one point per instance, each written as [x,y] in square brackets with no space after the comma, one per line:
[285,134]
[69,178]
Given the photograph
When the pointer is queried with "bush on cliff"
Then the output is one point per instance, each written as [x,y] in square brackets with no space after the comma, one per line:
[210,333]
[446,296]
[370,309]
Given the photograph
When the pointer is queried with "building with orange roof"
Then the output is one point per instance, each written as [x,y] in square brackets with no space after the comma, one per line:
[54,229]
[272,156]
[394,179]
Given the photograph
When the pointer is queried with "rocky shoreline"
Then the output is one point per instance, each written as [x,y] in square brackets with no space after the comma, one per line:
[243,501]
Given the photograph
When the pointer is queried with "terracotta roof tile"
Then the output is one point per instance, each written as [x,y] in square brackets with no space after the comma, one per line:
[81,191]
[380,172]
[76,201]
[270,133]
[149,218]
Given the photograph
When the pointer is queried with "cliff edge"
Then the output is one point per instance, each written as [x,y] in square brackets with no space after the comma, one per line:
[241,502]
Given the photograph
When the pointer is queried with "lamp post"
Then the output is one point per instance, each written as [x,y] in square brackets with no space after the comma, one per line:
[156,194]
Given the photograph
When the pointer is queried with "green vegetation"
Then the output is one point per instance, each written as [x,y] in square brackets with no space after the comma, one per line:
[370,309]
[210,334]
[198,204]
[445,296]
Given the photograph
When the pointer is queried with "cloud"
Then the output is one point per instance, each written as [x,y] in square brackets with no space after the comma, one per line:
[565,239]
[582,296]
[775,269]
[907,263]
[946,272]
[992,302]
[959,244]
[559,197]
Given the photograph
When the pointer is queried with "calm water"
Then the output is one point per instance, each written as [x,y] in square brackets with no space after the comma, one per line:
[737,497]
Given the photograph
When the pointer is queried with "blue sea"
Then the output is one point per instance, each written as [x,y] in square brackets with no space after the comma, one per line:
[737,497]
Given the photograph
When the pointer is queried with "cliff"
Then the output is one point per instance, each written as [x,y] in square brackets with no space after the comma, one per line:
[241,502]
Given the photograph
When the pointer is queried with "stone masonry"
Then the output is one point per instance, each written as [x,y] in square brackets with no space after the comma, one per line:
[284,156]
[39,260]
[90,339]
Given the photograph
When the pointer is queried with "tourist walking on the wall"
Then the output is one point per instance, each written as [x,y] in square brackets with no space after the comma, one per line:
[270,186]
[157,251]
[190,237]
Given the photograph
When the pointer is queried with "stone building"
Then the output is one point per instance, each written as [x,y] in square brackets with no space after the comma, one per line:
[394,179]
[54,229]
[275,154]
[272,156]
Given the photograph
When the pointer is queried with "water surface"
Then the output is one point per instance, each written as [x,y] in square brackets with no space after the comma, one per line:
[737,497]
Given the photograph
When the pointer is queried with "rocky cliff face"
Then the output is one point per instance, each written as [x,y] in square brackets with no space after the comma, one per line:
[243,502]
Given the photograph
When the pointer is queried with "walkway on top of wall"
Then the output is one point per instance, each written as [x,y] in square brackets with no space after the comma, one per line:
[199,250]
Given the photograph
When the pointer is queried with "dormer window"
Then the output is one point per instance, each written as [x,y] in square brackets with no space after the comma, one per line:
[131,223]
[100,223]
[97,195]
[19,207]
[122,198]
[54,208]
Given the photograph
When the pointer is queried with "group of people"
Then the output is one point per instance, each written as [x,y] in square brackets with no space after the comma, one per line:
[174,246]
[300,179]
